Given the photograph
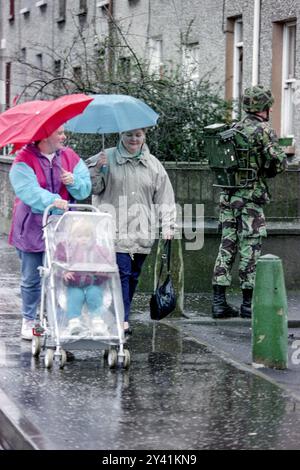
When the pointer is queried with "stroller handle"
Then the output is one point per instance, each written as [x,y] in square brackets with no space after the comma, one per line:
[90,207]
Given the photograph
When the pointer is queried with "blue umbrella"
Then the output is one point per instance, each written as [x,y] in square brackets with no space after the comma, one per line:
[113,113]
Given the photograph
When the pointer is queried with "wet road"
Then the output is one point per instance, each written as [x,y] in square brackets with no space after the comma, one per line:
[176,395]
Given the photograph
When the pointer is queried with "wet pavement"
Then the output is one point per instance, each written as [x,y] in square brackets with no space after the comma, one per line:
[176,395]
[190,386]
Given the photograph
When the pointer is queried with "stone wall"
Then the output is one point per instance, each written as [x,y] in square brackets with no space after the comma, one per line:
[193,185]
[6,194]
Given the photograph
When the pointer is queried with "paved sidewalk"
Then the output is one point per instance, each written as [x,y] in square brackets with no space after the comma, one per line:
[231,338]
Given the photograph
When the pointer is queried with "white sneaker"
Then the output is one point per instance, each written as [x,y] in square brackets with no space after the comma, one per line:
[26,331]
[74,327]
[99,328]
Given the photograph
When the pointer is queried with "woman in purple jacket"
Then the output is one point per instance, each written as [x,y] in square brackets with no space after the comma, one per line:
[43,173]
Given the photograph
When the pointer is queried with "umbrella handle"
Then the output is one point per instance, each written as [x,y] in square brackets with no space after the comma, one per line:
[104,167]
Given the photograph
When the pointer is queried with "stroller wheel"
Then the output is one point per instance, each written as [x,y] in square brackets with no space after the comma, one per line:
[112,358]
[62,359]
[126,360]
[49,358]
[36,346]
[105,353]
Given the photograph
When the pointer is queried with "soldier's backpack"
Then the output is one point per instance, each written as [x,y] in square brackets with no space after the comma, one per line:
[228,154]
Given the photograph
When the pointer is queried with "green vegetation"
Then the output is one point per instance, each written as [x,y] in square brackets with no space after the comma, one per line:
[185,108]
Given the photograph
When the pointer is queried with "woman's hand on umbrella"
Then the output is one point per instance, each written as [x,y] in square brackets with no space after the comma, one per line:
[102,161]
[67,177]
[61,204]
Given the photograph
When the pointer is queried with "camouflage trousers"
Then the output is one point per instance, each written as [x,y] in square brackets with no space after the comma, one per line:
[243,227]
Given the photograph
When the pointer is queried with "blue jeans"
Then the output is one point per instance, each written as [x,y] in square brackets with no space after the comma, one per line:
[78,296]
[30,282]
[129,270]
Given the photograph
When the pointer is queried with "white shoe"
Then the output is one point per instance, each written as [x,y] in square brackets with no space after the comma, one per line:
[26,331]
[74,327]
[99,328]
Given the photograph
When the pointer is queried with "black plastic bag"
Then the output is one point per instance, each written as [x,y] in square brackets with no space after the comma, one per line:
[163,300]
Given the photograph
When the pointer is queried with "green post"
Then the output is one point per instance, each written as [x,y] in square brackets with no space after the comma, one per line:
[177,273]
[269,320]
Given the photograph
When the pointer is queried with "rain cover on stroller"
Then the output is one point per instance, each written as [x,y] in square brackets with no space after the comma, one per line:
[83,291]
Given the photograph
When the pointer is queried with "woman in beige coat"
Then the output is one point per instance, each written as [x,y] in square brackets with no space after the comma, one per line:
[135,188]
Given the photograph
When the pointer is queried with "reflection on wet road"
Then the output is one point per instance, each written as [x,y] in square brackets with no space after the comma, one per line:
[176,395]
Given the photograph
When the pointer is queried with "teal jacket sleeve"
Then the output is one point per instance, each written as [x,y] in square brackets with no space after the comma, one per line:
[82,186]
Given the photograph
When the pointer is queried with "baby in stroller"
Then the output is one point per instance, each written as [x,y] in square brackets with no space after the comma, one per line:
[83,288]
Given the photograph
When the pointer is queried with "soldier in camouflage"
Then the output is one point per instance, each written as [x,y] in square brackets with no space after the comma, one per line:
[242,217]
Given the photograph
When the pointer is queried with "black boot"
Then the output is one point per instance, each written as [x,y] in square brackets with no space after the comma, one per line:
[246,304]
[220,308]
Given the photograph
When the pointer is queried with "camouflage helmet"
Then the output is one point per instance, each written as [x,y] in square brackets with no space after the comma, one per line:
[257,99]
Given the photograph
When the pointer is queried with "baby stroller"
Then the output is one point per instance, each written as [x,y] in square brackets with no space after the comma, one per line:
[81,296]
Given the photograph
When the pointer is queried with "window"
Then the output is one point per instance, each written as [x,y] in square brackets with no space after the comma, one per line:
[190,62]
[288,78]
[62,6]
[39,61]
[57,68]
[11,10]
[7,84]
[23,62]
[234,63]
[77,72]
[124,67]
[23,55]
[237,90]
[155,56]
[82,8]
[82,5]
[57,73]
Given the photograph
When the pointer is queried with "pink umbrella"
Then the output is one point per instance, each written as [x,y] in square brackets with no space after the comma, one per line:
[36,120]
